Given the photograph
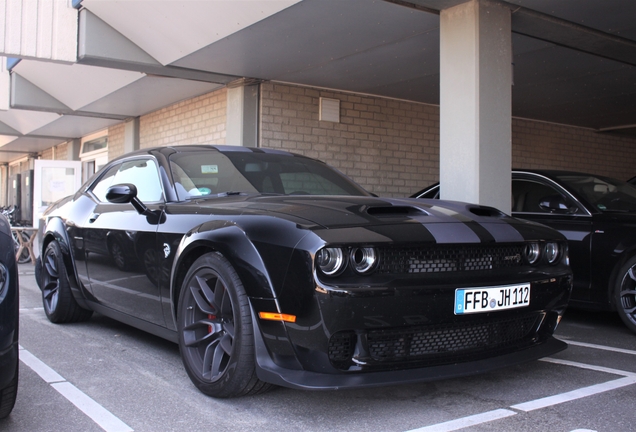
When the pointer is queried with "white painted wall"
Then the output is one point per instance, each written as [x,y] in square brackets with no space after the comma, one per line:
[37,29]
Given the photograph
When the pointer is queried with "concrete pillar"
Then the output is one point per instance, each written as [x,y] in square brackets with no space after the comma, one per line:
[131,135]
[475,103]
[241,127]
[73,152]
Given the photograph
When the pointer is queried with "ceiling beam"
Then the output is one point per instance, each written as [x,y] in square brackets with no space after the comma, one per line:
[27,96]
[101,45]
[571,35]
[548,28]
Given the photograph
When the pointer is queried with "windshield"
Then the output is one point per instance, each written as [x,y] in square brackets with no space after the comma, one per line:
[210,172]
[606,194]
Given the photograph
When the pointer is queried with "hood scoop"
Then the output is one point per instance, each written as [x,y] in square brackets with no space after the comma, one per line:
[485,211]
[395,211]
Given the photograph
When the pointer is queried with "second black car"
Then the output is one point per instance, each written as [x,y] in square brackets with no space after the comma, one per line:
[598,217]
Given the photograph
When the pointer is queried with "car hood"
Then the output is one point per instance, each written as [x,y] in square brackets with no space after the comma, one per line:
[446,221]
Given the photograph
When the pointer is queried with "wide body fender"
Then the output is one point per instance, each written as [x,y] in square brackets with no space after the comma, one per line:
[260,255]
[55,230]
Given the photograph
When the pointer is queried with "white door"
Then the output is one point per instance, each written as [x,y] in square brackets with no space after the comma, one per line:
[53,180]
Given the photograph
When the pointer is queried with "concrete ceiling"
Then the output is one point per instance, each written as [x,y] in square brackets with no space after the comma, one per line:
[574,60]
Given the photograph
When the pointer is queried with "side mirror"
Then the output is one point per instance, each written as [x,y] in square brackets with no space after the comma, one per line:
[121,193]
[556,204]
[127,193]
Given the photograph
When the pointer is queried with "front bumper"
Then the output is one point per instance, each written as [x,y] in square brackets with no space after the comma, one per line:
[270,372]
[359,338]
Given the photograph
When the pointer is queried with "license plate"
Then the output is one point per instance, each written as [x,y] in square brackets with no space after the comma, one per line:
[488,299]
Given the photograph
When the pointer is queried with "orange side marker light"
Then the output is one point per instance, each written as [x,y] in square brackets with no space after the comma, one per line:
[274,316]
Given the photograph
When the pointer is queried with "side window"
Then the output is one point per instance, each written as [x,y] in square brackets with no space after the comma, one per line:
[530,196]
[142,173]
[99,189]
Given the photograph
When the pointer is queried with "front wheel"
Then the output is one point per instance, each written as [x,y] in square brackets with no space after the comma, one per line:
[215,330]
[625,293]
[58,301]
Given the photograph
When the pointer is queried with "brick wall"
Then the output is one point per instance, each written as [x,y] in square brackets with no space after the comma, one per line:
[550,146]
[389,147]
[116,141]
[47,154]
[61,151]
[200,120]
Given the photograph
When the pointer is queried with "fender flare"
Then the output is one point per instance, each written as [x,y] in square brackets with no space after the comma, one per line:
[54,230]
[217,236]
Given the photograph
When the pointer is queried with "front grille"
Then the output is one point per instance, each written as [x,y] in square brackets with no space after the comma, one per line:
[449,258]
[341,346]
[438,344]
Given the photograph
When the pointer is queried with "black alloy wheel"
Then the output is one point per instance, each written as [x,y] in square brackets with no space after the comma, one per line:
[215,330]
[58,301]
[625,294]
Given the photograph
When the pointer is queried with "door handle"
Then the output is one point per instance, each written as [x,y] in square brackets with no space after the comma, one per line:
[93,217]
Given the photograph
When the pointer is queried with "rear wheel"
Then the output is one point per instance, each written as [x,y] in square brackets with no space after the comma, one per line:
[625,293]
[215,330]
[57,298]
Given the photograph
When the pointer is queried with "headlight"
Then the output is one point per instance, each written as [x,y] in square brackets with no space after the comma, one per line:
[552,252]
[532,252]
[363,259]
[330,261]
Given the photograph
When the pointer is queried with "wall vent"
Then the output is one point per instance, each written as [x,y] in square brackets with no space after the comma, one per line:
[329,110]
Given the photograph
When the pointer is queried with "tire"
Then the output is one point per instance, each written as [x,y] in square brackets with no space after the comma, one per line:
[59,304]
[9,394]
[625,293]
[216,339]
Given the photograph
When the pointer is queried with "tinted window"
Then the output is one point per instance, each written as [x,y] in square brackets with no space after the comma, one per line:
[210,172]
[99,189]
[603,193]
[530,196]
[140,172]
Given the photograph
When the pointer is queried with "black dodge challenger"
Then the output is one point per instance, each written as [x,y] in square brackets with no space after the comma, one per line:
[269,268]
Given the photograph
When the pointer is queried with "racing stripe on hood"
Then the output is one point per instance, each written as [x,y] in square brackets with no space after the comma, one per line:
[484,230]
[452,233]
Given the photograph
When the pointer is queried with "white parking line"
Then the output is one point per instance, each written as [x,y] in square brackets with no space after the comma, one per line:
[100,415]
[600,347]
[574,394]
[590,367]
[465,422]
[628,378]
